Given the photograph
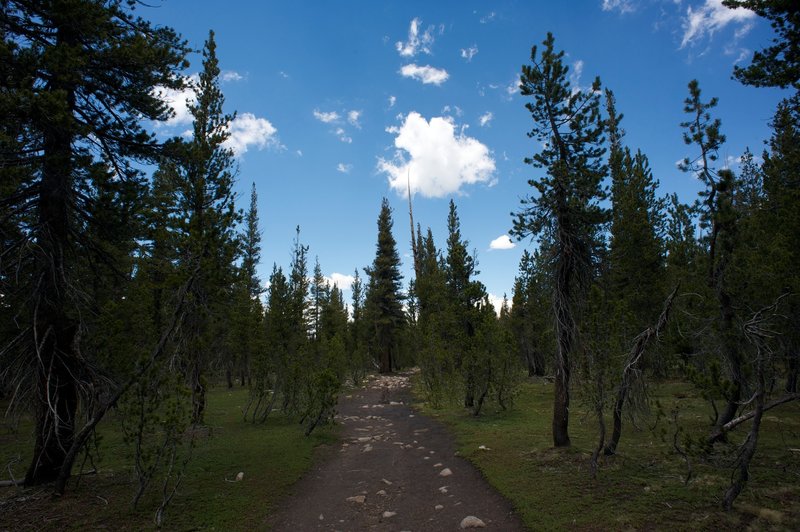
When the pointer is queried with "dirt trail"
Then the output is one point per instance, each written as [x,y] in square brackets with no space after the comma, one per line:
[390,473]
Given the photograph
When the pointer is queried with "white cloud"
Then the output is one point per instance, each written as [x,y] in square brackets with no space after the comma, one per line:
[711,17]
[456,110]
[497,302]
[344,168]
[469,53]
[299,153]
[392,101]
[353,117]
[283,74]
[342,281]
[575,76]
[502,242]
[486,118]
[416,43]
[513,87]
[342,134]
[325,117]
[248,130]
[623,6]
[437,160]
[230,75]
[426,74]
[179,101]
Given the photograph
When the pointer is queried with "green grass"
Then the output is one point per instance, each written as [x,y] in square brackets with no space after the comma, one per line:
[642,487]
[272,457]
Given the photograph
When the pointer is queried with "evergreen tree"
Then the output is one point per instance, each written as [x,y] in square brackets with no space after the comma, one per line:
[777,65]
[202,177]
[79,80]
[565,209]
[384,308]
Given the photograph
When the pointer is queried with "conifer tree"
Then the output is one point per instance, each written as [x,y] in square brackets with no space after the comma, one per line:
[202,176]
[384,309]
[565,209]
[82,79]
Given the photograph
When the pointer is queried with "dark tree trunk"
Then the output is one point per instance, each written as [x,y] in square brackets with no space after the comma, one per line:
[229,377]
[733,357]
[565,331]
[54,330]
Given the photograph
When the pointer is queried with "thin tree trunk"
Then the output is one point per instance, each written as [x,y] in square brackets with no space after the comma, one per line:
[640,344]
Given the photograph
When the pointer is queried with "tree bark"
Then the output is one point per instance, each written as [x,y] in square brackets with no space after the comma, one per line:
[54,330]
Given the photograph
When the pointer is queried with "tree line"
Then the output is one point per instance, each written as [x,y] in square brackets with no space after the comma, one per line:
[128,276]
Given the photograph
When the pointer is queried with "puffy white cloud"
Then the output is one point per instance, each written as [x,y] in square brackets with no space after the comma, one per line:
[353,118]
[436,158]
[248,130]
[416,43]
[344,168]
[486,118]
[179,101]
[711,17]
[497,302]
[502,242]
[342,281]
[426,74]
[469,53]
[231,75]
[623,6]
[326,117]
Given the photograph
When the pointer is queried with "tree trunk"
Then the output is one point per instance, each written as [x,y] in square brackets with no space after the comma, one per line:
[565,331]
[54,330]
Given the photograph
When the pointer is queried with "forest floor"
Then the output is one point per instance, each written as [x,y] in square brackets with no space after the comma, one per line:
[393,470]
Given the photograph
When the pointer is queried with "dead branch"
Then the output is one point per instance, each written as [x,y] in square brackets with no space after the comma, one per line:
[631,370]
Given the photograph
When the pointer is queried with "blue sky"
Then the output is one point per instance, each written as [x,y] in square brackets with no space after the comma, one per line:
[339,101]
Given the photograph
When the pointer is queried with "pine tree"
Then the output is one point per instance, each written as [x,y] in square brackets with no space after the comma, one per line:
[565,209]
[82,79]
[384,308]
[202,177]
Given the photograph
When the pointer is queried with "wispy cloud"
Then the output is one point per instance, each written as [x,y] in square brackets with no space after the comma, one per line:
[344,168]
[437,157]
[416,43]
[486,118]
[469,53]
[342,134]
[353,118]
[623,6]
[426,74]
[488,17]
[711,17]
[502,242]
[231,75]
[326,117]
[392,101]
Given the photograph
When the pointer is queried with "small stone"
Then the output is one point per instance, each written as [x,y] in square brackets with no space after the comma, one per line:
[483,448]
[443,489]
[387,514]
[471,521]
[438,507]
[321,517]
[381,492]
[387,482]
[367,448]
[358,499]
[445,472]
[426,457]
[239,476]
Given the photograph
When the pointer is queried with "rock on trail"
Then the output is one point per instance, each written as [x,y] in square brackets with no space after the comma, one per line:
[380,476]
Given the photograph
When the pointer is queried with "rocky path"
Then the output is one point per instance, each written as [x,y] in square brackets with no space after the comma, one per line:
[395,470]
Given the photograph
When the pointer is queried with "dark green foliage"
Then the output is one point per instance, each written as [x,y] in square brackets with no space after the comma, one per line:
[565,210]
[383,309]
[777,65]
[79,77]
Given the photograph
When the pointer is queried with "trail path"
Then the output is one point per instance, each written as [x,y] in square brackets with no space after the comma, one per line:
[391,473]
